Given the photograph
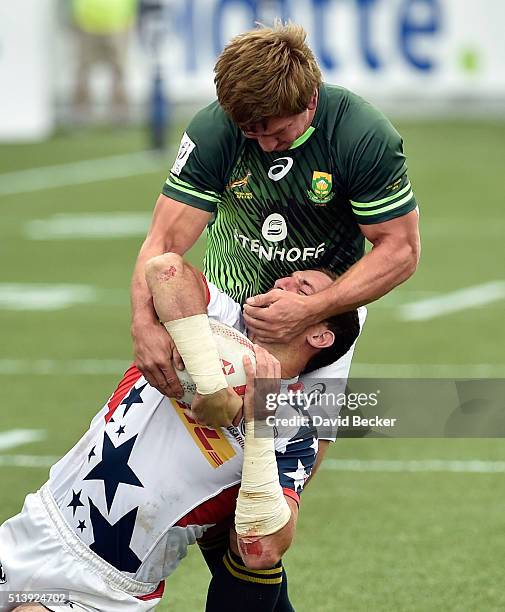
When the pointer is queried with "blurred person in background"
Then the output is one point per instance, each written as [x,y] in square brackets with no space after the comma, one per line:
[103,34]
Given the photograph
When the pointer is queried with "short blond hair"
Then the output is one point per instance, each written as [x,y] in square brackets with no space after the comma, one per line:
[265,73]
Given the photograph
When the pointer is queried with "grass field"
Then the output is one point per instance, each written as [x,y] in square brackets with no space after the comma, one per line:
[369,540]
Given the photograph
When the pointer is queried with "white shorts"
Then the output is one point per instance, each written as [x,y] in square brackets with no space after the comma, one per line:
[39,552]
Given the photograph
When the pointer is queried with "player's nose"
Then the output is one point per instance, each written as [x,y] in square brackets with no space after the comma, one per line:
[287,283]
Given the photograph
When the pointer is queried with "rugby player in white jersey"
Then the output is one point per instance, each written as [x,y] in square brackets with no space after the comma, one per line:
[119,510]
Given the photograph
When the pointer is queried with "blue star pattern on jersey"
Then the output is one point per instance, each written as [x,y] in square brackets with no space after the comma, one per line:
[91,453]
[113,469]
[112,542]
[133,398]
[76,501]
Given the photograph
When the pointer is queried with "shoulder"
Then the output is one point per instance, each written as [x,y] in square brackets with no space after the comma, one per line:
[214,124]
[352,121]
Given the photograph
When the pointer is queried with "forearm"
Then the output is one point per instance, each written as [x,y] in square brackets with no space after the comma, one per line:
[386,266]
[141,299]
[175,227]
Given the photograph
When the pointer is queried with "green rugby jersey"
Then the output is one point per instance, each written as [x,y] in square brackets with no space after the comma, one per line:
[278,212]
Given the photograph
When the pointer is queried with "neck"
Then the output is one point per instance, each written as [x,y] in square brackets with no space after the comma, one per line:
[292,359]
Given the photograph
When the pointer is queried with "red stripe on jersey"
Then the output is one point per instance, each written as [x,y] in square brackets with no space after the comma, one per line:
[207,290]
[290,493]
[212,511]
[130,377]
[200,432]
[158,594]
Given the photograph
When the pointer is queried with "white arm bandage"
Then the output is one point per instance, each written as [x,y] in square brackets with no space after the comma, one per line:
[194,341]
[261,508]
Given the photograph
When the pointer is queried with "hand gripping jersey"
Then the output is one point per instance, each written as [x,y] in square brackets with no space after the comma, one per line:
[297,209]
[146,480]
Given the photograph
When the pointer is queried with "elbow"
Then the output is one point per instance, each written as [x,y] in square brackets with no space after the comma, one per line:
[414,258]
[408,260]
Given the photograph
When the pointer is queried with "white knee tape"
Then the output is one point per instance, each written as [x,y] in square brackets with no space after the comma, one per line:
[261,508]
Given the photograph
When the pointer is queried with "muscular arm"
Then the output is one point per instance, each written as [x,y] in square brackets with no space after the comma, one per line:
[280,315]
[175,227]
[392,260]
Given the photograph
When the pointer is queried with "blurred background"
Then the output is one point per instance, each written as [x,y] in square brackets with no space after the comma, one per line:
[94,97]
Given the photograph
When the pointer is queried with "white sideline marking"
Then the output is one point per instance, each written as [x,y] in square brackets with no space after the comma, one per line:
[18,437]
[421,370]
[81,172]
[337,465]
[71,367]
[427,465]
[88,226]
[17,296]
[470,297]
[27,461]
[92,367]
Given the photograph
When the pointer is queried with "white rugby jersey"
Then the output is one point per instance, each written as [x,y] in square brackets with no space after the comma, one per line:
[146,480]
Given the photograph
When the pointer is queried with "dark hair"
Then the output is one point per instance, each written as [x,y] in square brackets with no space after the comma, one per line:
[345,327]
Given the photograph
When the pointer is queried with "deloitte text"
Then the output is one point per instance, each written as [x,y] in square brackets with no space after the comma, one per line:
[275,252]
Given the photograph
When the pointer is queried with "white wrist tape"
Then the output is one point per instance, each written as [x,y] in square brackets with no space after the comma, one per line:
[194,341]
[261,508]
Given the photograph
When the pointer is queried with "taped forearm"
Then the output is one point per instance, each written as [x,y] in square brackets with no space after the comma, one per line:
[261,506]
[194,341]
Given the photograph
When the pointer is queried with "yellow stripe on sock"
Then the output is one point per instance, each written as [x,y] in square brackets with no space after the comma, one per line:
[247,578]
[273,570]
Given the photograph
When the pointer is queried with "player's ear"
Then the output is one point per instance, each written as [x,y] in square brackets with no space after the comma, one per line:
[313,101]
[320,337]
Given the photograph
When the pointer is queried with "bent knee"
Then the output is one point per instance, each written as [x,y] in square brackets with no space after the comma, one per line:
[29,608]
[266,560]
[164,267]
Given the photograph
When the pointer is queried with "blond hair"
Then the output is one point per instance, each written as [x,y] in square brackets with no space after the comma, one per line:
[266,72]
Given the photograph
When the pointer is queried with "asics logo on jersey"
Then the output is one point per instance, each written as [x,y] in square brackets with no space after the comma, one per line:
[3,577]
[279,170]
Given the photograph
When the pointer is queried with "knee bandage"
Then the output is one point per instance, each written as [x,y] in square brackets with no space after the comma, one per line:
[261,508]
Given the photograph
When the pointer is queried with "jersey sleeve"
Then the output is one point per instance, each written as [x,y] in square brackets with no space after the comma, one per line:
[378,188]
[222,307]
[200,172]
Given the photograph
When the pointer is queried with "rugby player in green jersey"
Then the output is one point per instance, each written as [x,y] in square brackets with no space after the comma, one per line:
[287,173]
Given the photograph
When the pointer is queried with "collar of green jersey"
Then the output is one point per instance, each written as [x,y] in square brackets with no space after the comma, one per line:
[321,104]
